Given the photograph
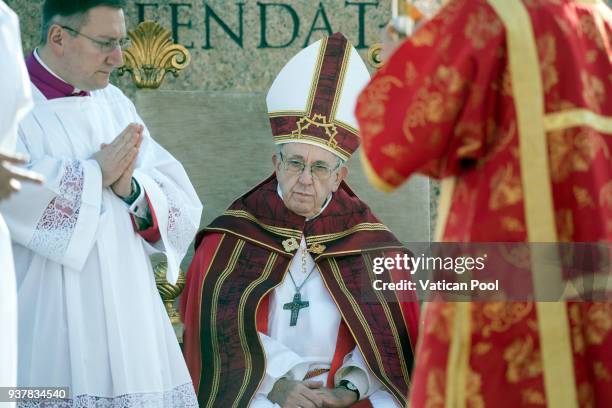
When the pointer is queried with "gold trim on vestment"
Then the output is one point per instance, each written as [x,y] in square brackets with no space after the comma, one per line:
[281,113]
[447,188]
[559,375]
[243,340]
[197,386]
[577,117]
[216,372]
[364,324]
[315,78]
[364,226]
[372,176]
[343,68]
[458,363]
[263,296]
[356,251]
[283,232]
[246,238]
[383,301]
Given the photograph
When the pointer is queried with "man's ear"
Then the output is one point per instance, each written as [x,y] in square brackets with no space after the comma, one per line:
[275,161]
[340,175]
[56,40]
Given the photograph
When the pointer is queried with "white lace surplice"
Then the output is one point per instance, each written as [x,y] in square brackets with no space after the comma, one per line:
[90,315]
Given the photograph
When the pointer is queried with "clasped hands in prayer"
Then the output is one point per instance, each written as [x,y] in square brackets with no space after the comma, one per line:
[11,176]
[309,394]
[118,159]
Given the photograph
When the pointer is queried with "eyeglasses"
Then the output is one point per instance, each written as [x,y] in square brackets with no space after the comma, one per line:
[105,46]
[317,171]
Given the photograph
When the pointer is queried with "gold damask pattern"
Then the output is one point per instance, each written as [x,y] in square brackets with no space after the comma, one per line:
[583,197]
[601,372]
[533,397]
[574,152]
[564,26]
[547,49]
[565,225]
[377,94]
[471,135]
[436,382]
[605,196]
[593,91]
[498,317]
[440,318]
[591,327]
[481,27]
[411,73]
[392,176]
[590,31]
[474,396]
[506,188]
[499,138]
[598,322]
[395,151]
[512,224]
[424,37]
[436,101]
[586,395]
[575,318]
[482,348]
[523,360]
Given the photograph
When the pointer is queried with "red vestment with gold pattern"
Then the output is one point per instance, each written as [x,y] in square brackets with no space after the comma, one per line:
[510,103]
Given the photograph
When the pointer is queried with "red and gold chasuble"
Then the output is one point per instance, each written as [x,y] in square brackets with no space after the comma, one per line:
[245,253]
[509,102]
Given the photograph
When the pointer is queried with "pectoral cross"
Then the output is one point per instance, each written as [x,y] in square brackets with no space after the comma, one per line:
[295,307]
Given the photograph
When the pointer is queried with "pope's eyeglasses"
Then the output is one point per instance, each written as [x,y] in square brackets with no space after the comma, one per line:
[317,170]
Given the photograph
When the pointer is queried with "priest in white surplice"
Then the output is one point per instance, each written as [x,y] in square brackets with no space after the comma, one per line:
[277,307]
[15,88]
[90,316]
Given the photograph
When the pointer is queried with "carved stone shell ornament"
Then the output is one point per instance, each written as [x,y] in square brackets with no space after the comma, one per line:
[152,55]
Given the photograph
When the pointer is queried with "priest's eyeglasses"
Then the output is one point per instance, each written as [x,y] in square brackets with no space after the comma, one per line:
[318,170]
[105,46]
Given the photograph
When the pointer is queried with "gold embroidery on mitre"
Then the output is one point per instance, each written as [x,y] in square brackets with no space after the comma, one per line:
[290,244]
[317,120]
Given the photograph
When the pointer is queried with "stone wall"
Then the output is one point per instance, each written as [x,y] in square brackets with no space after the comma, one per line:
[213,116]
